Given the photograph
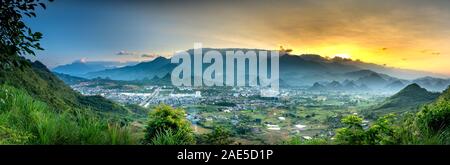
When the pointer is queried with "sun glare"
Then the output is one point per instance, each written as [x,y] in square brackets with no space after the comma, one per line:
[345,56]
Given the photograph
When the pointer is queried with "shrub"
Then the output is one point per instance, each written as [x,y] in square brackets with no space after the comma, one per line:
[435,118]
[429,126]
[382,131]
[170,137]
[219,136]
[352,133]
[164,118]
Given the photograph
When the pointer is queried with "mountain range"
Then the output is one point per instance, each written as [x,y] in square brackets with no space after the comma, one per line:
[81,67]
[159,67]
[296,70]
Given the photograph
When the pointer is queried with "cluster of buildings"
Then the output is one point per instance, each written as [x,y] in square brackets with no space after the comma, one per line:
[236,98]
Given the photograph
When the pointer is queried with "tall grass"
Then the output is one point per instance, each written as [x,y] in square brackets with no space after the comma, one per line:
[431,125]
[24,120]
[170,137]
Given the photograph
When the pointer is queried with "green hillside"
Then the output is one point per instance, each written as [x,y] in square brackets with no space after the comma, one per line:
[430,126]
[40,83]
[445,96]
[38,108]
[407,99]
[70,80]
[24,120]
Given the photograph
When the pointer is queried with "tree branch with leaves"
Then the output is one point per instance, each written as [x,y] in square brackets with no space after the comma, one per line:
[16,37]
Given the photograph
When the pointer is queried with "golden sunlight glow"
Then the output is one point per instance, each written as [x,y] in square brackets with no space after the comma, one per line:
[343,55]
[332,50]
[407,38]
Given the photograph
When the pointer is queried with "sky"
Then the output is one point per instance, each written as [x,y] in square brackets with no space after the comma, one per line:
[412,34]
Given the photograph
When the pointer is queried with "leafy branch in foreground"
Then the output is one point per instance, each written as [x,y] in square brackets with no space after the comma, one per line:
[16,36]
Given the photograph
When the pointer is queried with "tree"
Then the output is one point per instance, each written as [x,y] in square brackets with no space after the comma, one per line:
[16,37]
[244,125]
[381,131]
[434,118]
[352,133]
[219,136]
[164,119]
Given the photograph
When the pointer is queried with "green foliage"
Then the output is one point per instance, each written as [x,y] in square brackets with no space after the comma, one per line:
[219,136]
[138,110]
[102,104]
[244,125]
[383,131]
[11,136]
[163,118]
[53,113]
[170,137]
[42,85]
[352,121]
[24,120]
[429,126]
[352,133]
[119,135]
[16,37]
[380,132]
[300,141]
[435,117]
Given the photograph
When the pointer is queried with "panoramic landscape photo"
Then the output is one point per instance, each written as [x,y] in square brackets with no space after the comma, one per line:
[253,72]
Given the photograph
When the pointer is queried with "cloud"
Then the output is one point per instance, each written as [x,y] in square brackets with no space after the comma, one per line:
[149,55]
[427,51]
[136,53]
[436,53]
[82,60]
[126,53]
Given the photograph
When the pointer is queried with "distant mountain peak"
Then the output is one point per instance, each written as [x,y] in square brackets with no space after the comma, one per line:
[409,98]
[374,74]
[432,83]
[411,90]
[312,57]
[414,92]
[360,73]
[396,85]
[317,87]
[413,86]
[295,70]
[366,70]
[160,58]
[81,67]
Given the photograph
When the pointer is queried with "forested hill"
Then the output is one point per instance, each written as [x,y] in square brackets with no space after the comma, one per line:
[407,99]
[43,85]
